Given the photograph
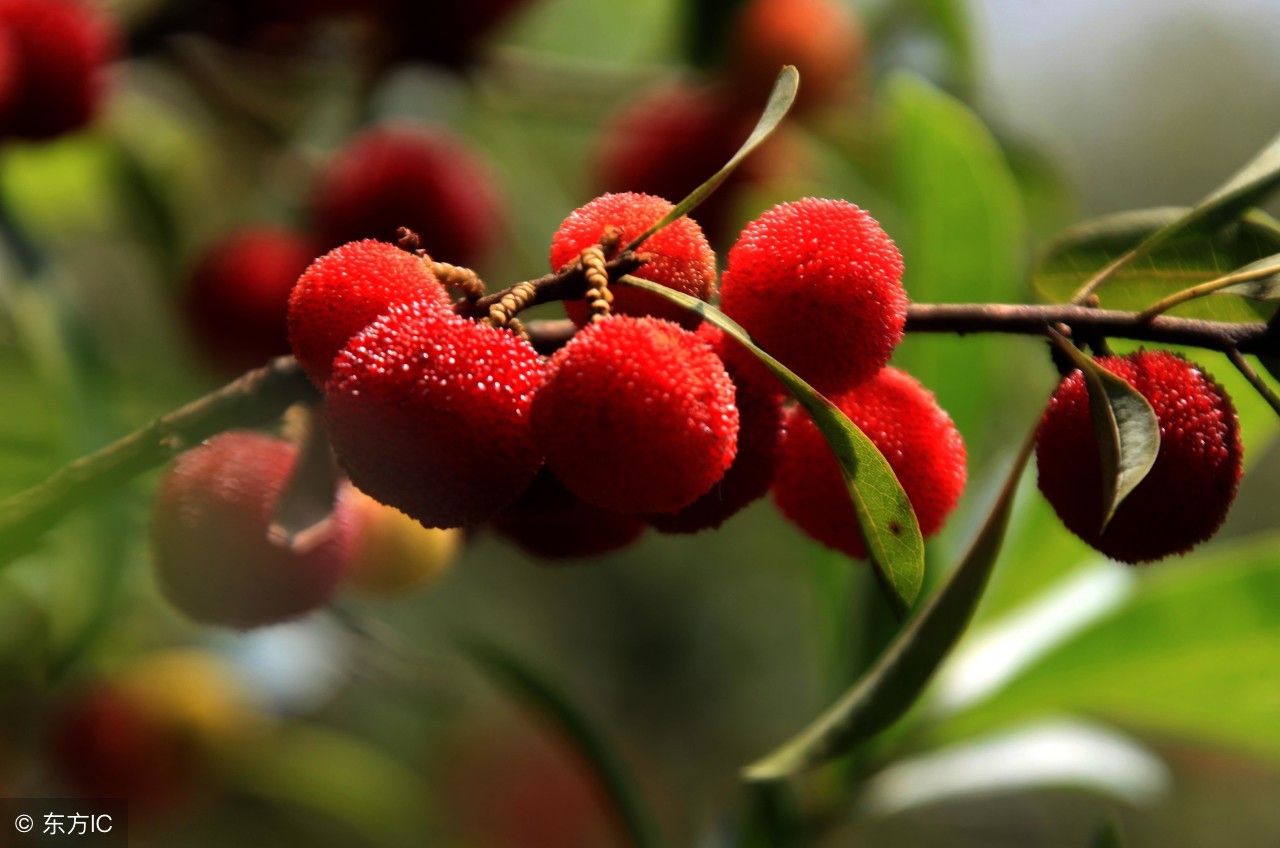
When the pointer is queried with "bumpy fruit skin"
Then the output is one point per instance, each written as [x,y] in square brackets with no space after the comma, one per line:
[345,290]
[760,429]
[551,523]
[638,416]
[818,285]
[212,557]
[429,412]
[393,554]
[401,175]
[917,437]
[822,38]
[237,300]
[60,50]
[1184,498]
[681,257]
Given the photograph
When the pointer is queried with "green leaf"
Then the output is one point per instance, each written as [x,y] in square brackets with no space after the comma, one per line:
[339,778]
[887,691]
[1192,654]
[946,168]
[885,518]
[1187,259]
[530,686]
[1260,287]
[1124,423]
[1250,186]
[780,100]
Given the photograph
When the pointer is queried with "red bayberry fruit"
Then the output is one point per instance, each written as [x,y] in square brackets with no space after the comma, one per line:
[345,290]
[637,416]
[237,301]
[212,556]
[550,522]
[405,176]
[1188,492]
[429,413]
[60,49]
[917,437]
[760,416]
[818,285]
[680,259]
[822,38]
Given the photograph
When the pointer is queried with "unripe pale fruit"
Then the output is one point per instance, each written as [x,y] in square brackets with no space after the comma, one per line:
[429,412]
[237,300]
[550,522]
[818,285]
[59,53]
[1183,499]
[822,38]
[392,553]
[212,557]
[760,417]
[637,416]
[406,176]
[345,290]
[681,258]
[917,437]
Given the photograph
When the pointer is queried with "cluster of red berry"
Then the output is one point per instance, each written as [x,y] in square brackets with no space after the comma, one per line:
[53,58]
[645,417]
[389,176]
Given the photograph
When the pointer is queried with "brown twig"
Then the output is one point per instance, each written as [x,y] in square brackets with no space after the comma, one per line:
[257,397]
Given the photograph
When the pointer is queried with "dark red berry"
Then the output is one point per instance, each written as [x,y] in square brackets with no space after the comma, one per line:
[345,290]
[237,300]
[429,412]
[59,53]
[1188,492]
[637,416]
[679,256]
[818,285]
[550,522]
[917,437]
[760,416]
[401,175]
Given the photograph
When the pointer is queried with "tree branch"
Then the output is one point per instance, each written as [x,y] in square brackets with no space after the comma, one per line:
[263,394]
[257,397]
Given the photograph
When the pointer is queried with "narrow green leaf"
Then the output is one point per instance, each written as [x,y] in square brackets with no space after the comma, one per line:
[1248,187]
[1189,259]
[1264,287]
[340,779]
[780,100]
[885,518]
[1108,835]
[1124,423]
[893,684]
[530,686]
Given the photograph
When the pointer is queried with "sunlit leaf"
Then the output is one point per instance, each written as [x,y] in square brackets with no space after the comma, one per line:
[893,684]
[530,686]
[1190,258]
[885,519]
[1193,654]
[1248,187]
[780,100]
[1125,425]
